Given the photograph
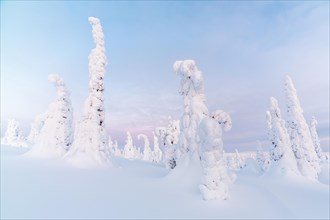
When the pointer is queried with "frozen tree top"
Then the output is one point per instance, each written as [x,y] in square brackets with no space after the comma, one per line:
[97,31]
[56,79]
[191,76]
[274,109]
[223,119]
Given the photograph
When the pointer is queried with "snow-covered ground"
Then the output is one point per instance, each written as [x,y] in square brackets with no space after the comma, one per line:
[43,189]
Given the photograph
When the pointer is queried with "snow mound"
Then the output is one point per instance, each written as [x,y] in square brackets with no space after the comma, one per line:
[50,189]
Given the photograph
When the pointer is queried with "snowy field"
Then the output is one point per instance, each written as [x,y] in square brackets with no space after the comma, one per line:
[44,189]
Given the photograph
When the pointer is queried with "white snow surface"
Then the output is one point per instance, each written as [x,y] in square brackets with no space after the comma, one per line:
[44,189]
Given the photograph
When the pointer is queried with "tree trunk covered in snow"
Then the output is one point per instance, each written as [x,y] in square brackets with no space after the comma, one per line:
[90,140]
[300,136]
[192,91]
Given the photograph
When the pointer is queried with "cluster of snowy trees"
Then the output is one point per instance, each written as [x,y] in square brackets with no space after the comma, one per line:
[53,133]
[196,137]
[295,146]
[132,152]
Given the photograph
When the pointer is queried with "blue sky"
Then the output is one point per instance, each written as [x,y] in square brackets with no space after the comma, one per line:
[243,48]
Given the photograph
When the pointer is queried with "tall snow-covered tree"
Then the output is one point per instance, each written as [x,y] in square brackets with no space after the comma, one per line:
[13,135]
[129,150]
[315,138]
[147,154]
[90,139]
[169,138]
[299,133]
[51,133]
[216,179]
[156,153]
[194,106]
[284,162]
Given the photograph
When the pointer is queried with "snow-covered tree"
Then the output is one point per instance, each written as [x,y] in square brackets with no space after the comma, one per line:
[147,154]
[261,158]
[281,153]
[316,140]
[192,91]
[129,150]
[156,153]
[113,148]
[64,113]
[169,138]
[216,179]
[90,139]
[51,133]
[240,163]
[36,127]
[13,135]
[299,134]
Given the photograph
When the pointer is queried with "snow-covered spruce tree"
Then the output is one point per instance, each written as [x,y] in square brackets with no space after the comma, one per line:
[51,133]
[156,153]
[129,151]
[215,180]
[147,154]
[316,140]
[90,139]
[240,163]
[111,146]
[13,135]
[169,138]
[36,127]
[281,154]
[194,106]
[64,133]
[262,161]
[300,136]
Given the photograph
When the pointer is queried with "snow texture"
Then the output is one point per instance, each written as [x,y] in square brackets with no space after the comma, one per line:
[51,133]
[13,135]
[194,106]
[50,189]
[300,136]
[90,138]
